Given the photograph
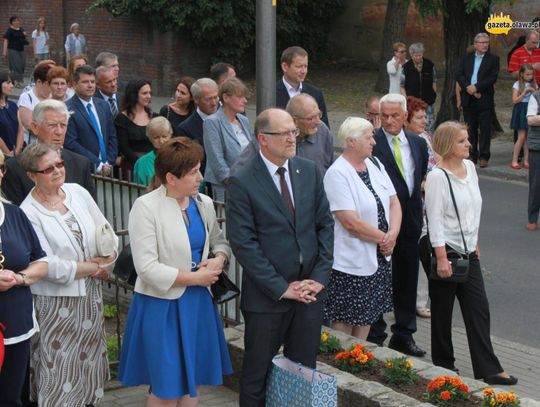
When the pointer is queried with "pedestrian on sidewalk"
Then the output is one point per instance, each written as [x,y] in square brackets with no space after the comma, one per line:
[533,119]
[453,208]
[14,43]
[521,93]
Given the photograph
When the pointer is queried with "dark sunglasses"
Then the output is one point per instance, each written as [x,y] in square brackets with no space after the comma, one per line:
[49,170]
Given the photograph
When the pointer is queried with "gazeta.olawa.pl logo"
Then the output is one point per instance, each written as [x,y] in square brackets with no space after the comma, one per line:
[501,24]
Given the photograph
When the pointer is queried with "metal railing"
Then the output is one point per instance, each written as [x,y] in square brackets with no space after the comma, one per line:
[115,197]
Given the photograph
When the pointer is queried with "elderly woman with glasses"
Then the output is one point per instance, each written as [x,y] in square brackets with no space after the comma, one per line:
[22,263]
[226,134]
[367,212]
[69,362]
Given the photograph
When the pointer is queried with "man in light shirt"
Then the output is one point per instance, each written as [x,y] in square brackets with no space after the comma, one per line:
[294,64]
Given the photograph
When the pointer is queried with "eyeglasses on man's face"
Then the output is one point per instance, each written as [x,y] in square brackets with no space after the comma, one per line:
[286,133]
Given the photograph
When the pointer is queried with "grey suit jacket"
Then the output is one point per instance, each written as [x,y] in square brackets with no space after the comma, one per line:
[274,248]
[221,145]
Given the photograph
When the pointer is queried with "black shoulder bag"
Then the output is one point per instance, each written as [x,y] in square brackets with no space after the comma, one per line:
[458,261]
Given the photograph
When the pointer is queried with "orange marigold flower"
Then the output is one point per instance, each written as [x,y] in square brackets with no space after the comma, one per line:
[389,365]
[409,364]
[464,388]
[488,392]
[446,395]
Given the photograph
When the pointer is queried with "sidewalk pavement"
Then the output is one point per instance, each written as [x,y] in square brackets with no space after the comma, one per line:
[520,361]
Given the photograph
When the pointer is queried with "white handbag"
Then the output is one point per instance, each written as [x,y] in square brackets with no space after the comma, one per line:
[105,240]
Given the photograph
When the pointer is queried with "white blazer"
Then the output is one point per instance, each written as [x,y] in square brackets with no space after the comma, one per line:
[160,243]
[63,251]
[347,192]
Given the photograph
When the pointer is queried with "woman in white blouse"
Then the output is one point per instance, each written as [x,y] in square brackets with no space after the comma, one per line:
[226,134]
[367,212]
[452,145]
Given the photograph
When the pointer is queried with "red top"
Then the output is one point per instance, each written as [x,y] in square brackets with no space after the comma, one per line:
[521,56]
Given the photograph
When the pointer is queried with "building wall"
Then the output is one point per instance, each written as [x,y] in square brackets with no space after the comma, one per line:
[143,50]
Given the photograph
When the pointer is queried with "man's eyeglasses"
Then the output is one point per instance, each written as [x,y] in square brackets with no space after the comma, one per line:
[286,133]
[49,170]
[311,118]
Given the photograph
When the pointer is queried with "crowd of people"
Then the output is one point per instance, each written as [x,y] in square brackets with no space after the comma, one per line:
[318,238]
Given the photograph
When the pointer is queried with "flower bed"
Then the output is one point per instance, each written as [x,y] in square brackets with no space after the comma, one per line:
[399,375]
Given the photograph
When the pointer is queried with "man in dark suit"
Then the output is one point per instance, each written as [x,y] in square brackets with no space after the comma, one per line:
[294,64]
[405,157]
[205,96]
[281,231]
[476,75]
[49,125]
[107,88]
[91,130]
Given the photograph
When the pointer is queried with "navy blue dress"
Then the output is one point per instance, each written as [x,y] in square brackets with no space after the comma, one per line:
[20,246]
[176,345]
[9,124]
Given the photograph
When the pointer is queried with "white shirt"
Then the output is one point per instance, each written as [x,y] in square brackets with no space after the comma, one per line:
[347,192]
[394,75]
[291,90]
[406,157]
[442,220]
[201,113]
[532,107]
[42,46]
[29,100]
[272,169]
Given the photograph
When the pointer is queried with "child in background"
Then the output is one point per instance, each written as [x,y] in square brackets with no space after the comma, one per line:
[521,93]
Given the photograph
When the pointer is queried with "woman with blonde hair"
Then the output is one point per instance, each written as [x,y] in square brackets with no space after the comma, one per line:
[453,208]
[158,131]
[40,40]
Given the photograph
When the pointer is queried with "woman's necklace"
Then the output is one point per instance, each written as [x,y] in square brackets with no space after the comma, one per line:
[51,204]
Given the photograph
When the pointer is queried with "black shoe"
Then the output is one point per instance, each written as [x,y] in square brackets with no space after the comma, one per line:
[408,348]
[498,379]
[455,370]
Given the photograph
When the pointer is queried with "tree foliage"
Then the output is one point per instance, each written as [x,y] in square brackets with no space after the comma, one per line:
[228,26]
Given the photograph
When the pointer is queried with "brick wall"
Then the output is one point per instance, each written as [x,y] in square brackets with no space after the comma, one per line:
[143,50]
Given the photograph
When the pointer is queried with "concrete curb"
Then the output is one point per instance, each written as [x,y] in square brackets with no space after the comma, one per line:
[355,392]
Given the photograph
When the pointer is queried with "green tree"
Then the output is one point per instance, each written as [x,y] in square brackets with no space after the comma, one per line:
[228,26]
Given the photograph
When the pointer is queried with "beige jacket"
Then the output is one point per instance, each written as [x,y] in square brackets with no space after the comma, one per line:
[160,243]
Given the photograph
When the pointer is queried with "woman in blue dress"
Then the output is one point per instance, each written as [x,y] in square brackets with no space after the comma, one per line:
[22,263]
[174,339]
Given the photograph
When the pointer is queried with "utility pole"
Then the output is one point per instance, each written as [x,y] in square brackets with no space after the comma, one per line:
[266,54]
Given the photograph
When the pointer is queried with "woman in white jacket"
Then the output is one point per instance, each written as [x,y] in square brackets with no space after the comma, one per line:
[69,358]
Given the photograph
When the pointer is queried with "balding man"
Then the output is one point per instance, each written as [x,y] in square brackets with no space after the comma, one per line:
[314,141]
[49,125]
[107,88]
[281,231]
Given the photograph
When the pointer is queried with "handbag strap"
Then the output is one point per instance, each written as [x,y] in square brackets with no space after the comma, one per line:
[457,212]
